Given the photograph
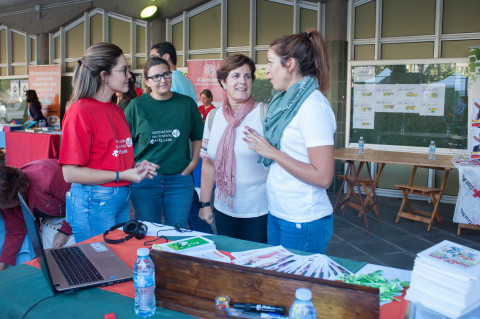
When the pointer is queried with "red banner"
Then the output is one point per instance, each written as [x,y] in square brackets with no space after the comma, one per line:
[203,75]
[45,80]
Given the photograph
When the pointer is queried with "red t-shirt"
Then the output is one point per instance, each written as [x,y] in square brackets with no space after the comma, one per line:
[96,135]
[138,90]
[205,112]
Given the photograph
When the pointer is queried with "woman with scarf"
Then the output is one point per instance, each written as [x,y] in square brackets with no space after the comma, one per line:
[240,207]
[298,143]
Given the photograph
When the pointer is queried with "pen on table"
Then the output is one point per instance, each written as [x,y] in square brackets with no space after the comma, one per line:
[260,308]
[254,315]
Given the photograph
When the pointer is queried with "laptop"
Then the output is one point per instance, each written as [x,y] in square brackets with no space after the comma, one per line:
[61,266]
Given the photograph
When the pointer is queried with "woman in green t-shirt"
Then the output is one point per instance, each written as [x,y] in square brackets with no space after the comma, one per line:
[163,123]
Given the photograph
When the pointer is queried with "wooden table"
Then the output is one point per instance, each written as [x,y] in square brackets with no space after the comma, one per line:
[350,156]
[22,147]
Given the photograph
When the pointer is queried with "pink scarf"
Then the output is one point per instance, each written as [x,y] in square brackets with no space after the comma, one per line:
[225,157]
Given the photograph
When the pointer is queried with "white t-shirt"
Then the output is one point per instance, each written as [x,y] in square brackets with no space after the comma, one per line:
[250,199]
[288,197]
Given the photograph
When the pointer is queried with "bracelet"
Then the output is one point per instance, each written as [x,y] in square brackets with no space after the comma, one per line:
[118,177]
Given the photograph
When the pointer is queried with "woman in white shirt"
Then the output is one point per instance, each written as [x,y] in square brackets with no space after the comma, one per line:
[298,144]
[240,206]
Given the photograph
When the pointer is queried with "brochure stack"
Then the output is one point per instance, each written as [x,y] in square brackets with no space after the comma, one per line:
[445,279]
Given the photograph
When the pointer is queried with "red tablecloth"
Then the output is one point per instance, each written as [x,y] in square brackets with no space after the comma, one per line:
[23,147]
[127,251]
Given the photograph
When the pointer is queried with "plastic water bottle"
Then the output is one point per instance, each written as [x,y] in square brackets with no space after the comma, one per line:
[431,151]
[144,282]
[302,307]
[361,145]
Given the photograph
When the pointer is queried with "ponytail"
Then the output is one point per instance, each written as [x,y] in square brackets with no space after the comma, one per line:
[310,52]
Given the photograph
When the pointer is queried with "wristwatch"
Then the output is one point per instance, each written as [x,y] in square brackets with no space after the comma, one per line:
[204,204]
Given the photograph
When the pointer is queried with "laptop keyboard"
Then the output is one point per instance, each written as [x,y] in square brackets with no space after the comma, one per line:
[75,266]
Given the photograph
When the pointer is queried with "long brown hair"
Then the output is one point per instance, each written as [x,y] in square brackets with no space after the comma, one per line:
[310,52]
[86,79]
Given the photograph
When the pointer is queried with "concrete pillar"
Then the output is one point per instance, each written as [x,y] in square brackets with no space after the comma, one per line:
[336,20]
[43,50]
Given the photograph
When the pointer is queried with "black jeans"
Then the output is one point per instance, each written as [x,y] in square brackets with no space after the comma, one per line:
[253,229]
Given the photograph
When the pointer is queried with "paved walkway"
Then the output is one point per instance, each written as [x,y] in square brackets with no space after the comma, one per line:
[392,244]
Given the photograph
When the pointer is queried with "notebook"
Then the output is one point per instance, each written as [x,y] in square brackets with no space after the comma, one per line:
[101,265]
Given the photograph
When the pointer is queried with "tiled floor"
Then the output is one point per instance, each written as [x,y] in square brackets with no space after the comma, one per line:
[392,244]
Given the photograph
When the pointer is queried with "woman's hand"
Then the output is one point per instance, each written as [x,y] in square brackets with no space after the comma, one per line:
[189,169]
[142,170]
[59,240]
[206,214]
[259,143]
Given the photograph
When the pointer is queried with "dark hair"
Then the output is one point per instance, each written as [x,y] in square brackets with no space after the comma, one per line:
[233,62]
[207,93]
[310,52]
[149,64]
[166,47]
[12,181]
[130,94]
[86,78]
[31,97]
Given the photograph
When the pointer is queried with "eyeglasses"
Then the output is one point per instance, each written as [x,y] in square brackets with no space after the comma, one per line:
[157,77]
[125,70]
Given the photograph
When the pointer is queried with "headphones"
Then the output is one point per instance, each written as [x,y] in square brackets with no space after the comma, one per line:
[132,228]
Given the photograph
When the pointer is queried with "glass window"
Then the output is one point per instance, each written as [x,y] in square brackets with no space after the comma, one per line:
[205,29]
[3,46]
[18,46]
[364,52]
[207,56]
[308,19]
[74,41]
[414,50]
[141,42]
[408,17]
[96,29]
[177,36]
[271,26]
[238,20]
[457,49]
[119,31]
[460,16]
[365,21]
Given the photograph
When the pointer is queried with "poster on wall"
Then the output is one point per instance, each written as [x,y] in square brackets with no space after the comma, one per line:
[14,90]
[45,80]
[203,75]
[474,101]
[23,88]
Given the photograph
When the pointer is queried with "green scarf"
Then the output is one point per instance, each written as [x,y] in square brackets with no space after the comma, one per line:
[283,108]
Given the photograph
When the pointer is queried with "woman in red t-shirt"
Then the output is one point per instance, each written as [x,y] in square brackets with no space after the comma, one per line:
[207,98]
[97,149]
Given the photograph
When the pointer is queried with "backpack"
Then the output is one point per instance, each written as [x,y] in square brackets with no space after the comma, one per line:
[263,112]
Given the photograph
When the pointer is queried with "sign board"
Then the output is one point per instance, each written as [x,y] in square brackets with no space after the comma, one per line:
[45,80]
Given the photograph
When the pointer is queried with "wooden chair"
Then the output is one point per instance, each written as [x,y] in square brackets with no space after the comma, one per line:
[366,184]
[435,194]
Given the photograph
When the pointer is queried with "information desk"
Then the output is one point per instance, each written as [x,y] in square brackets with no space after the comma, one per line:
[25,285]
[351,156]
[23,147]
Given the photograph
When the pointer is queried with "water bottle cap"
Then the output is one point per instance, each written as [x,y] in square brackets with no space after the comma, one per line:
[432,142]
[141,252]
[303,294]
[361,137]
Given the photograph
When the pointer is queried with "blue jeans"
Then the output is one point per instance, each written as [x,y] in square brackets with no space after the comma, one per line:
[313,236]
[171,194]
[92,209]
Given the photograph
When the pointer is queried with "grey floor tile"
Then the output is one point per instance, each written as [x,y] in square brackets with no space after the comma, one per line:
[397,260]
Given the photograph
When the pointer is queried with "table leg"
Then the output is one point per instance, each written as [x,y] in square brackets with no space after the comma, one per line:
[359,193]
[347,171]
